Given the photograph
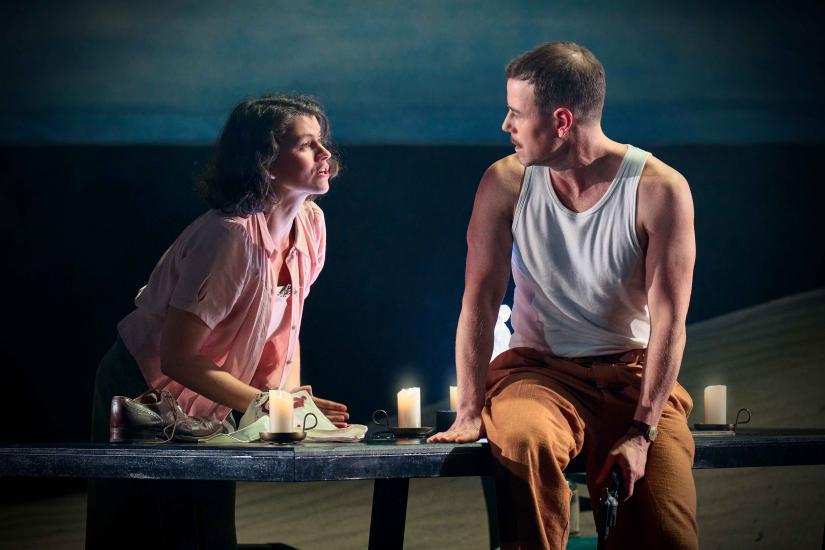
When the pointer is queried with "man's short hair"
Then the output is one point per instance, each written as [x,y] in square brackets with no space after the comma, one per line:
[563,74]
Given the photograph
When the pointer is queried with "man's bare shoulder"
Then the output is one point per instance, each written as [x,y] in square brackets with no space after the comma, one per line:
[658,177]
[663,194]
[504,175]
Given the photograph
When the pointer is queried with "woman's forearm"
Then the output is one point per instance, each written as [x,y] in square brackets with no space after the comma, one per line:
[204,377]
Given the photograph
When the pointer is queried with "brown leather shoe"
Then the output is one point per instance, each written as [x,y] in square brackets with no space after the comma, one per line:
[153,415]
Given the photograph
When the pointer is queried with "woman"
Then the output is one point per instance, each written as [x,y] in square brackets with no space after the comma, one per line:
[218,321]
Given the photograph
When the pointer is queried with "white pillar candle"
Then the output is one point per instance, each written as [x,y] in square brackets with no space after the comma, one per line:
[280,411]
[403,408]
[453,398]
[716,405]
[409,408]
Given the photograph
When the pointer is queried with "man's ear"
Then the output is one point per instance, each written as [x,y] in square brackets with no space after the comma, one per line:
[563,119]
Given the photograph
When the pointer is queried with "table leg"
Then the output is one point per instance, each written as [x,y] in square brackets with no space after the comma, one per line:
[389,513]
[488,483]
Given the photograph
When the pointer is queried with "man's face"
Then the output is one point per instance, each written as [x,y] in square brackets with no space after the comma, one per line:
[532,132]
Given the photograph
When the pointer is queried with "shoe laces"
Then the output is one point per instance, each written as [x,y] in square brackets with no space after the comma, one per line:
[175,410]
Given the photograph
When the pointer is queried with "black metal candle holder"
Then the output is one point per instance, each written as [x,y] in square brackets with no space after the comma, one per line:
[290,437]
[724,427]
[394,433]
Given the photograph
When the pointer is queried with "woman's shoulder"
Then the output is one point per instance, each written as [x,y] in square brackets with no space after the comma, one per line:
[313,216]
[218,230]
[312,211]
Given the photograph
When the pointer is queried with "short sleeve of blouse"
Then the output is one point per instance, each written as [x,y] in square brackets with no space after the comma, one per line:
[213,266]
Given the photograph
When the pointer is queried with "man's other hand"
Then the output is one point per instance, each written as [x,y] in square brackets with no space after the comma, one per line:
[463,430]
[630,453]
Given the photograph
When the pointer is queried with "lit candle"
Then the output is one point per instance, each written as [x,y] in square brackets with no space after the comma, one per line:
[280,411]
[409,408]
[403,408]
[716,405]
[453,398]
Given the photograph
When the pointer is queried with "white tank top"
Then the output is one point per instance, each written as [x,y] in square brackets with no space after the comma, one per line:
[580,277]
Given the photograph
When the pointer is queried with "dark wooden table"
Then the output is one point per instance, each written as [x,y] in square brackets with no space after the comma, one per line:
[390,465]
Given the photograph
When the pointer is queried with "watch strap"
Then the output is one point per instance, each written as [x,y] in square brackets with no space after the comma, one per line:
[645,430]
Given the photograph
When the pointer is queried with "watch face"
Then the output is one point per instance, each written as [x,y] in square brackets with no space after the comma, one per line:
[652,432]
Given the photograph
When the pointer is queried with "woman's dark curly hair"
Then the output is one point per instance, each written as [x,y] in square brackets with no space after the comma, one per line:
[237,179]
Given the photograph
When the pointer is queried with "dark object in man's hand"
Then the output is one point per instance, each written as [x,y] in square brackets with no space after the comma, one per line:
[611,496]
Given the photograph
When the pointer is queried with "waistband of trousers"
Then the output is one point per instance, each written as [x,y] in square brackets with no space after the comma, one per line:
[633,356]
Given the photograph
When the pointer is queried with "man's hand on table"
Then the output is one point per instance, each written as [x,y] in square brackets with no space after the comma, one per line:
[336,412]
[630,453]
[463,430]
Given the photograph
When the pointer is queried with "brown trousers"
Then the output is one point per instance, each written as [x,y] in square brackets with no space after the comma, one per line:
[541,411]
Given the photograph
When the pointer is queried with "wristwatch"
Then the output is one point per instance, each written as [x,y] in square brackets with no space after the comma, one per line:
[648,432]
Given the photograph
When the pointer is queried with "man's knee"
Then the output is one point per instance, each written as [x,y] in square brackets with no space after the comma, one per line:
[528,439]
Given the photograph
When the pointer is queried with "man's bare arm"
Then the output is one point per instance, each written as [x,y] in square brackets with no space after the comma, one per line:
[671,254]
[666,213]
[489,245]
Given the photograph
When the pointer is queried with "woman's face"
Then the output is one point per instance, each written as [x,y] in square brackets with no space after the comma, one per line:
[302,166]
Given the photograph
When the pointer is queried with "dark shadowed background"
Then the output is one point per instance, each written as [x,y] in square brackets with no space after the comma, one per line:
[108,110]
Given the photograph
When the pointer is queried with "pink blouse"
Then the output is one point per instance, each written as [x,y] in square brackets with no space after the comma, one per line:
[220,269]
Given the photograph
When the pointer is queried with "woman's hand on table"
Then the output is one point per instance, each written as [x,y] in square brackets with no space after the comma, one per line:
[334,411]
[463,430]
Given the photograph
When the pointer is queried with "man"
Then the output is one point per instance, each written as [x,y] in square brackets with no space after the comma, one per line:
[599,236]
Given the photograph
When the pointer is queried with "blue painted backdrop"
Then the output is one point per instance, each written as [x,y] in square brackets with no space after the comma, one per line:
[405,72]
